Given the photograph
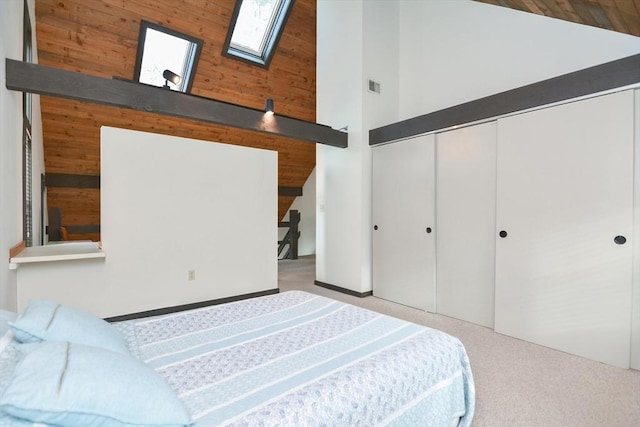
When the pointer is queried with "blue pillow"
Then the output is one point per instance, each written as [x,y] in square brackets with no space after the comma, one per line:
[74,385]
[43,320]
[5,318]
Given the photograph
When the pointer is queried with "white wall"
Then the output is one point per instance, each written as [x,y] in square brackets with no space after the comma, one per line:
[338,171]
[169,205]
[357,41]
[454,51]
[428,55]
[11,33]
[306,205]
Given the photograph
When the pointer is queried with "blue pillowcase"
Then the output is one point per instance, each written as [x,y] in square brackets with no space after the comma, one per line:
[69,384]
[5,318]
[45,320]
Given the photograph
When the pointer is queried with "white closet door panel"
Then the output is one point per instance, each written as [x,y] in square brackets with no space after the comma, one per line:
[565,177]
[466,213]
[635,302]
[403,208]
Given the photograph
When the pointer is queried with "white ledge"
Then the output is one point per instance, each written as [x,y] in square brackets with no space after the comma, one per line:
[57,252]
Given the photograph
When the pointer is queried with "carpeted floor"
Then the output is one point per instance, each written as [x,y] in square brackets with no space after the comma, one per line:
[517,383]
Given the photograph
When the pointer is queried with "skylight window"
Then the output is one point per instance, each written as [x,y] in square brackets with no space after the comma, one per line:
[256,27]
[161,49]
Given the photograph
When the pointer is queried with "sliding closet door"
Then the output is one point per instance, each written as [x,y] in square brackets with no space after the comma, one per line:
[403,218]
[466,215]
[564,227]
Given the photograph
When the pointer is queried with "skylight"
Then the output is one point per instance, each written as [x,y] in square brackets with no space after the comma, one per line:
[161,49]
[255,29]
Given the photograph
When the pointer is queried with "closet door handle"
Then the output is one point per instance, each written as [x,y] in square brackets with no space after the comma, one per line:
[620,240]
[503,234]
[375,227]
[428,230]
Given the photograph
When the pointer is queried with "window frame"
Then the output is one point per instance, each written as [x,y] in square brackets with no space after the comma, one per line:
[191,68]
[27,139]
[272,38]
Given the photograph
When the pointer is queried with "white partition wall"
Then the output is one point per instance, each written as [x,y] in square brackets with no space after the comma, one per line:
[565,205]
[404,222]
[465,212]
[182,221]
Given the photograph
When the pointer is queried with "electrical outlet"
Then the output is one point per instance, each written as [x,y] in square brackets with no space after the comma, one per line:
[192,275]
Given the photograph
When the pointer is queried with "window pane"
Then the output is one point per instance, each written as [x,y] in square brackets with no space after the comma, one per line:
[161,49]
[255,22]
[163,52]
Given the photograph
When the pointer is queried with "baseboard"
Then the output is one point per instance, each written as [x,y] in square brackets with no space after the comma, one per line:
[343,290]
[175,309]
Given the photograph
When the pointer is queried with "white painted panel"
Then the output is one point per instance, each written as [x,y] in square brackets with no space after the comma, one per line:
[403,208]
[170,205]
[565,177]
[635,302]
[466,215]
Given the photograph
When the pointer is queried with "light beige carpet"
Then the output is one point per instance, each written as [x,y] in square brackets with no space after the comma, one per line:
[517,383]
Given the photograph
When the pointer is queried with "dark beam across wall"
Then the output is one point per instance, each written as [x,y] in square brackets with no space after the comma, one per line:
[50,81]
[611,75]
[93,181]
[71,180]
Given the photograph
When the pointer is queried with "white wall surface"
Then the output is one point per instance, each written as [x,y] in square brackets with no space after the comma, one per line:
[170,205]
[306,205]
[11,33]
[357,41]
[454,51]
[339,171]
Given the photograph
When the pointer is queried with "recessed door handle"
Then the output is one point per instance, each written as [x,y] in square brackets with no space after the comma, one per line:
[620,240]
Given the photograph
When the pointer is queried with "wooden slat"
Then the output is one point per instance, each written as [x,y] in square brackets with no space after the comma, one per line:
[532,6]
[570,13]
[15,250]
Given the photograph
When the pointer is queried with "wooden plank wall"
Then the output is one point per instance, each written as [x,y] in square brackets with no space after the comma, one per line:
[99,37]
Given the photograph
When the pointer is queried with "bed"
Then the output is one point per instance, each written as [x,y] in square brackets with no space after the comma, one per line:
[288,359]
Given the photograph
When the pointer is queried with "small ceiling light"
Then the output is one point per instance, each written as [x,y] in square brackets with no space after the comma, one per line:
[170,76]
[268,107]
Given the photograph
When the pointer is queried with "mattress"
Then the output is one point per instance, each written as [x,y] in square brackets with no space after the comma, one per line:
[300,359]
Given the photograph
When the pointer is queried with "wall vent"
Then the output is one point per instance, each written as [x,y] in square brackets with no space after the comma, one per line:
[374,86]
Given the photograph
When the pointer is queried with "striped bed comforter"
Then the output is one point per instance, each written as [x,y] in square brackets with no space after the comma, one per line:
[299,359]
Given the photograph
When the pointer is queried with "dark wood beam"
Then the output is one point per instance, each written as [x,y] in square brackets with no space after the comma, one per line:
[50,81]
[93,181]
[290,191]
[71,180]
[611,75]
[82,229]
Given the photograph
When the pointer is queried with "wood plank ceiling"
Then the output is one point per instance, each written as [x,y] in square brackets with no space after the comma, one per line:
[622,16]
[100,37]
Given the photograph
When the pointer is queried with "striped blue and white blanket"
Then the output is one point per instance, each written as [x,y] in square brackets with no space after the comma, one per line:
[299,359]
